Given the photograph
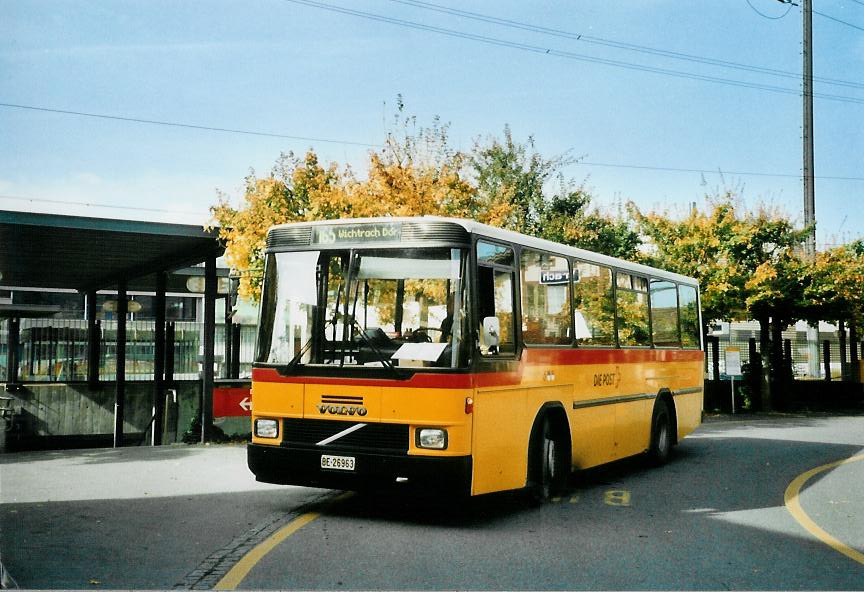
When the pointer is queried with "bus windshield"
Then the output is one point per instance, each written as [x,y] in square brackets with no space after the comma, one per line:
[364,308]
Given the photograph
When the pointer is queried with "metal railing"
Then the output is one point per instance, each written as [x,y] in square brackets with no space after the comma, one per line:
[796,347]
[52,350]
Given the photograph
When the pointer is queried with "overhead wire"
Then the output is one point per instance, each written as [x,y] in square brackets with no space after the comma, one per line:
[618,44]
[187,125]
[713,171]
[569,55]
[228,130]
[773,18]
[95,205]
[836,20]
[494,41]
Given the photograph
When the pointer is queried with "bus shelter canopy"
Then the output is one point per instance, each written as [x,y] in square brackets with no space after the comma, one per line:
[89,254]
[51,251]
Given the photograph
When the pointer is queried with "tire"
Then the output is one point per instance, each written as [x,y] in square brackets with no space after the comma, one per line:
[548,470]
[662,437]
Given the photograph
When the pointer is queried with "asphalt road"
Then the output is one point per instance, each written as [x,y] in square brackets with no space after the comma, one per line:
[183,517]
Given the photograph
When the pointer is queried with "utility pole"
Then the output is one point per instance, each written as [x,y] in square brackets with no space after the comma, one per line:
[809,193]
[807,169]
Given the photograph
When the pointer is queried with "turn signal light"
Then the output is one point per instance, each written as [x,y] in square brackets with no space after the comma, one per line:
[469,405]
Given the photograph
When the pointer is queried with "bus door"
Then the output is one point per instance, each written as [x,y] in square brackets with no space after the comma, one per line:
[499,443]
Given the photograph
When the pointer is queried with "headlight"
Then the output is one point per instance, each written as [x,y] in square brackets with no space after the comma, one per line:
[266,428]
[434,438]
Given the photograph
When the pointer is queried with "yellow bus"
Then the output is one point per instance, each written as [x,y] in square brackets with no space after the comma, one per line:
[433,353]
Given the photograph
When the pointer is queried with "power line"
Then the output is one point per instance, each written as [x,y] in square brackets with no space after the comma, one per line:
[763,15]
[836,20]
[95,205]
[183,125]
[617,44]
[186,125]
[569,55]
[710,171]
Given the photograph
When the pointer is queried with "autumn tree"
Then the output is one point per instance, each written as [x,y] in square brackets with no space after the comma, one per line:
[416,173]
[747,263]
[296,189]
[834,290]
[567,219]
[519,189]
[501,182]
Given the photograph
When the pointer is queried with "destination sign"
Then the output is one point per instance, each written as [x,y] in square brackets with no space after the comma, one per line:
[357,233]
[554,277]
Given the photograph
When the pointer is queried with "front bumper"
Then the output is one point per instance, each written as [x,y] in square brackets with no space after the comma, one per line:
[301,466]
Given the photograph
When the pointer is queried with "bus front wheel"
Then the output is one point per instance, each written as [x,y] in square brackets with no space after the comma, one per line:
[548,471]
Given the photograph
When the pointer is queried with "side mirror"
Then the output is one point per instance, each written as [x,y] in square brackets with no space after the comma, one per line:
[491,333]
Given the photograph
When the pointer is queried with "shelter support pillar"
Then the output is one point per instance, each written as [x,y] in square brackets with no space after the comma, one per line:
[844,365]
[227,357]
[12,344]
[235,352]
[120,398]
[208,374]
[826,358]
[159,360]
[853,353]
[93,341]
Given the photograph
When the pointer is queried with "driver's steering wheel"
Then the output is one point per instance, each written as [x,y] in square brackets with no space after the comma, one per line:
[420,335]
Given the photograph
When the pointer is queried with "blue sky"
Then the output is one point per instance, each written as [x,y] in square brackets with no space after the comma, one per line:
[296,69]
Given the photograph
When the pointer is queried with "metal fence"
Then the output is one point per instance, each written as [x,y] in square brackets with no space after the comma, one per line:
[52,350]
[796,344]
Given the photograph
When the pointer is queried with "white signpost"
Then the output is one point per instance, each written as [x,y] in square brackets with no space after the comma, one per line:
[733,368]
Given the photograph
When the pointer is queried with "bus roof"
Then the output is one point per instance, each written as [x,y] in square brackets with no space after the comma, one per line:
[492,232]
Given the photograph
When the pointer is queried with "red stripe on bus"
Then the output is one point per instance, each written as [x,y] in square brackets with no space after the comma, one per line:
[530,356]
[419,380]
[569,356]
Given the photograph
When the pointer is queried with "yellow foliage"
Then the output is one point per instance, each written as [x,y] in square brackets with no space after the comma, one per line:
[303,190]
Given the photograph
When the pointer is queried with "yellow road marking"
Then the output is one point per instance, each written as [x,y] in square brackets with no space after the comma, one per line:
[241,569]
[617,497]
[793,504]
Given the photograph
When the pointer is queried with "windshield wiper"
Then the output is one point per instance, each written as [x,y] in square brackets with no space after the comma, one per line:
[295,361]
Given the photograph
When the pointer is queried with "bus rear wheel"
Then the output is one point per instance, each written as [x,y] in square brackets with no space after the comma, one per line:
[662,437]
[548,470]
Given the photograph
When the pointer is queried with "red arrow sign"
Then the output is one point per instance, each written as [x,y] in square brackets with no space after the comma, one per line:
[232,401]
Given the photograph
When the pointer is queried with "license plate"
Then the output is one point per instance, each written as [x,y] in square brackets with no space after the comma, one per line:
[339,463]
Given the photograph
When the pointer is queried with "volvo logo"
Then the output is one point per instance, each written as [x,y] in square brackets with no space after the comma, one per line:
[342,410]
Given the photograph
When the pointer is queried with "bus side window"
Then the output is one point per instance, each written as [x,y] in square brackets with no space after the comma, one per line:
[664,314]
[495,297]
[631,306]
[689,309]
[545,292]
[595,308]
